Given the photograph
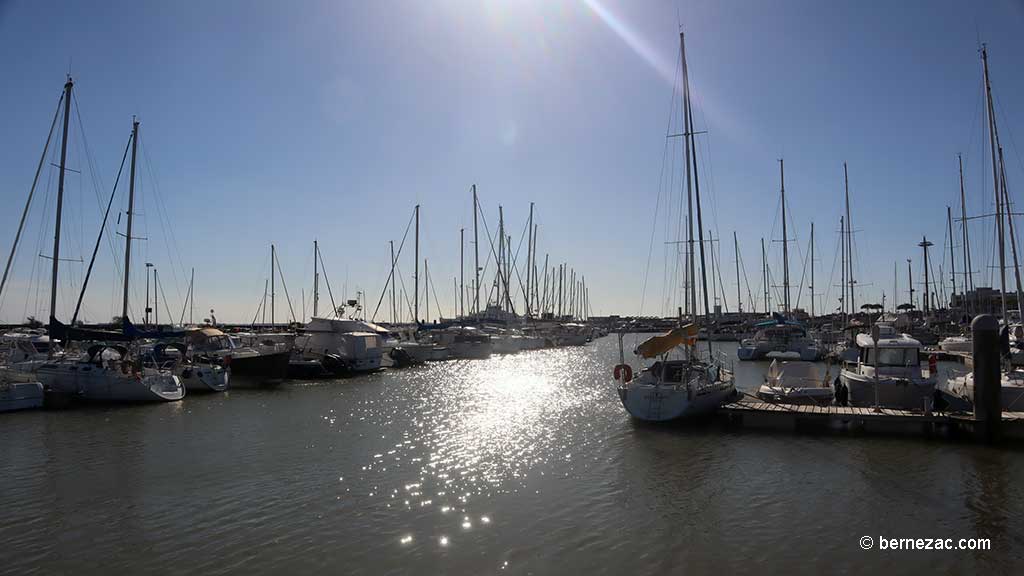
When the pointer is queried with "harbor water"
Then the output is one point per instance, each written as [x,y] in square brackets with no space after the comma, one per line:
[523,464]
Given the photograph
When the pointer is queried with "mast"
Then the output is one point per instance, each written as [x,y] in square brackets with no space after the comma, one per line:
[462,271]
[910,282]
[476,255]
[60,204]
[696,185]
[992,137]
[501,259]
[785,240]
[925,244]
[316,278]
[426,287]
[895,286]
[764,279]
[812,269]
[969,279]
[1013,236]
[529,257]
[156,301]
[952,253]
[688,128]
[191,295]
[416,274]
[131,213]
[272,291]
[394,315]
[849,240]
[739,294]
[842,258]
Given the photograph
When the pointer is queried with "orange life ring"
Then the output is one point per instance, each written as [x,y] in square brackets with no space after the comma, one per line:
[623,372]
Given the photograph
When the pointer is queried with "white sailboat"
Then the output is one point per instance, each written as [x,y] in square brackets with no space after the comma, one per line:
[681,383]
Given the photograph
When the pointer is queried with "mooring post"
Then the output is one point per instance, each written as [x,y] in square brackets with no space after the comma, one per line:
[988,414]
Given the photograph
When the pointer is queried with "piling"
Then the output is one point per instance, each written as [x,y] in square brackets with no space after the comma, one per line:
[988,413]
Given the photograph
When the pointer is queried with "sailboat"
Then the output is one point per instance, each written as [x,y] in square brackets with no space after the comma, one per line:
[106,372]
[687,385]
[780,337]
[1012,378]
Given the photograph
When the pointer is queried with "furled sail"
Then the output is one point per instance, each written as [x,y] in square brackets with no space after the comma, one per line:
[658,345]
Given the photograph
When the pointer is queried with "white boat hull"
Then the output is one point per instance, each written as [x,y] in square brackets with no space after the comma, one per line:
[20,396]
[901,393]
[662,403]
[204,378]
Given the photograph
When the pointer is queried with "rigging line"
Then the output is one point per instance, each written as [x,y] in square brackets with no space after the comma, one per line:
[405,293]
[99,237]
[167,308]
[657,204]
[280,275]
[97,184]
[31,192]
[165,222]
[323,270]
[493,251]
[393,266]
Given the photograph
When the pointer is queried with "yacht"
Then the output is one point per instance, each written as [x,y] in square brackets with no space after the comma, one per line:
[358,345]
[19,393]
[107,373]
[779,338]
[796,383]
[1012,388]
[198,373]
[888,372]
[674,388]
[465,342]
[248,366]
[957,344]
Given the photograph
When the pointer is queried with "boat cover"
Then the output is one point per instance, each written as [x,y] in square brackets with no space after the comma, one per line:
[658,345]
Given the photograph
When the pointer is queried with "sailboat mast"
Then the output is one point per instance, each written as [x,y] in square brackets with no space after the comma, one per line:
[969,279]
[131,214]
[995,180]
[273,258]
[529,258]
[739,294]
[812,270]
[764,279]
[316,278]
[501,257]
[849,240]
[476,255]
[416,273]
[910,282]
[60,204]
[842,267]
[785,240]
[1013,236]
[952,253]
[394,315]
[691,297]
[462,271]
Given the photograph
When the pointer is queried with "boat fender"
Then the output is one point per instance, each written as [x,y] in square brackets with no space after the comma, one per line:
[623,372]
[933,361]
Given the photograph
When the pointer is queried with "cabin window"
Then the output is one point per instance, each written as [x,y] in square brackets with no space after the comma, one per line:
[893,357]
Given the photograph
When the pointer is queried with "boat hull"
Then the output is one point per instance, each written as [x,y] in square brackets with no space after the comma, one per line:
[21,396]
[204,378]
[898,393]
[659,403]
[259,370]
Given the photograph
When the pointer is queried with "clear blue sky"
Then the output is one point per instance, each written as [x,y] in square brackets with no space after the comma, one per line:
[284,122]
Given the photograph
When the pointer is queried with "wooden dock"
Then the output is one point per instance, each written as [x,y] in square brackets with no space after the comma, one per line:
[750,413]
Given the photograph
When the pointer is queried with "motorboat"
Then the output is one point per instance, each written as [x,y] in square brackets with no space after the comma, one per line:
[19,392]
[259,365]
[956,345]
[674,388]
[888,372]
[1011,388]
[465,342]
[796,383]
[198,373]
[779,338]
[357,345]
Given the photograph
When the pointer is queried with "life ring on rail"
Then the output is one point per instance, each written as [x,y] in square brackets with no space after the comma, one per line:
[933,361]
[623,372]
